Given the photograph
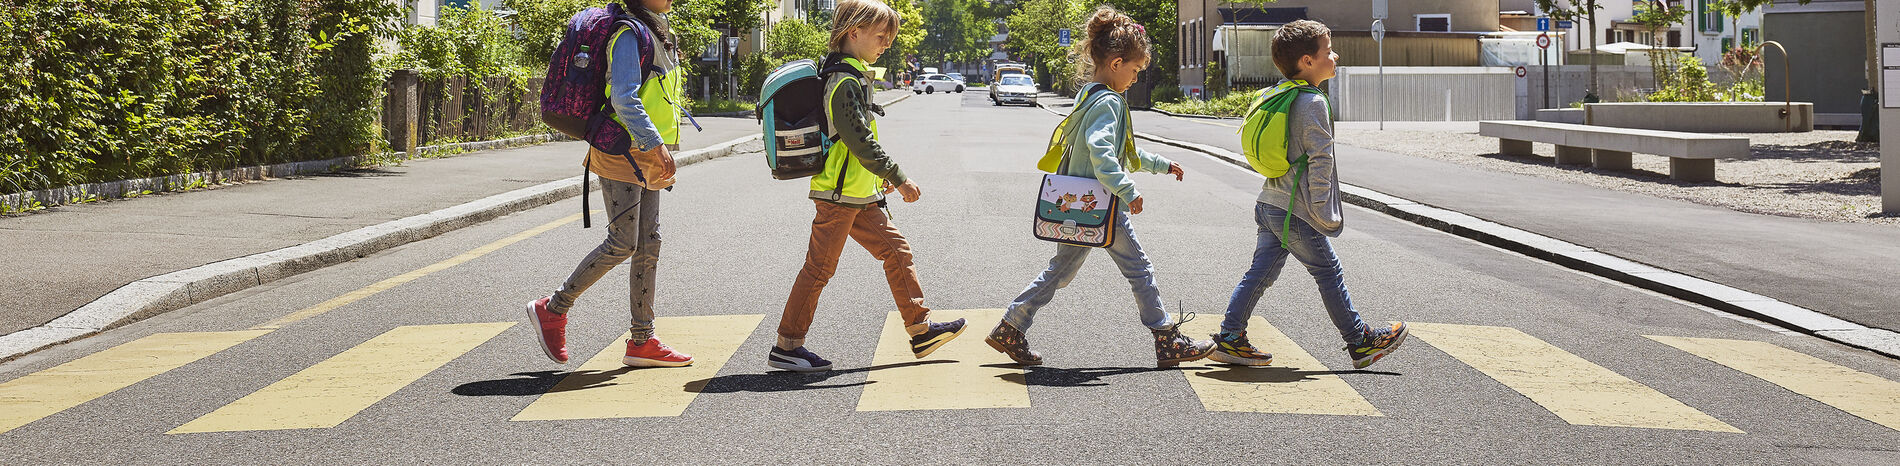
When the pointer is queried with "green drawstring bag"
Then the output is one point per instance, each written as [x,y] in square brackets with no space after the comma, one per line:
[1265,135]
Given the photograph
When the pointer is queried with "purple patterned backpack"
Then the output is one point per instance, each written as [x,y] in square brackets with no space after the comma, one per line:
[574,97]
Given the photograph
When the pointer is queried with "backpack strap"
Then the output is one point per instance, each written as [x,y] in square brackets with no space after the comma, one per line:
[1059,142]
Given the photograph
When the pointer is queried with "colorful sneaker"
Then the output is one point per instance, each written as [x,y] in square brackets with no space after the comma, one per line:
[797,360]
[934,337]
[551,327]
[1011,342]
[1172,348]
[1378,344]
[1233,348]
[654,354]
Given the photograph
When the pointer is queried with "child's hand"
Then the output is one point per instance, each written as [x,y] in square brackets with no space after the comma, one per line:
[668,167]
[1134,206]
[1175,169]
[909,191]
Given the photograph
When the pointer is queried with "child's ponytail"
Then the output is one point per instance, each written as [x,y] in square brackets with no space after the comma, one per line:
[1109,34]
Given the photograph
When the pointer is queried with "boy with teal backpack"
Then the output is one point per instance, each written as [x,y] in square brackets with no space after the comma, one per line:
[1288,137]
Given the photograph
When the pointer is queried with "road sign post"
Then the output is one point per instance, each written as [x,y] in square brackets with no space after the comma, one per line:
[1543,61]
[1378,36]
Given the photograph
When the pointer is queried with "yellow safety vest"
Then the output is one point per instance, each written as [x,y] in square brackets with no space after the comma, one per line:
[657,95]
[860,186]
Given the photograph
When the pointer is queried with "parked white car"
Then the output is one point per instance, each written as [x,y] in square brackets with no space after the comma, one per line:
[1014,89]
[931,83]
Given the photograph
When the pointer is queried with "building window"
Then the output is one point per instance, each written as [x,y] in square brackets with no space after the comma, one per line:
[1708,20]
[1182,35]
[1433,23]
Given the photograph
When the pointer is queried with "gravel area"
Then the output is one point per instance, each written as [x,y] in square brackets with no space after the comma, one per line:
[1820,174]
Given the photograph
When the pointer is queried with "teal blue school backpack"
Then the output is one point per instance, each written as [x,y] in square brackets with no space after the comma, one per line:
[791,114]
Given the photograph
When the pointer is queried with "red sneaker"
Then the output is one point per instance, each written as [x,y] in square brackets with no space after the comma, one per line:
[552,328]
[654,354]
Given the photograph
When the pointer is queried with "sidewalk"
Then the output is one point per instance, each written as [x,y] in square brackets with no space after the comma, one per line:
[1839,269]
[63,258]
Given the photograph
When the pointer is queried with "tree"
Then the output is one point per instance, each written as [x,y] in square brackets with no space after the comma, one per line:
[792,40]
[1655,17]
[1032,32]
[908,37]
[955,33]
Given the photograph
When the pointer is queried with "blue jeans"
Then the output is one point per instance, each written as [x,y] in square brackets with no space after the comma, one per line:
[1313,250]
[1127,255]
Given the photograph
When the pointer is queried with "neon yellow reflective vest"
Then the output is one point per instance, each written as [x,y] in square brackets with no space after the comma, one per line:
[657,94]
[860,185]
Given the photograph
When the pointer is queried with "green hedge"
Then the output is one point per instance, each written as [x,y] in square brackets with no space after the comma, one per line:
[99,90]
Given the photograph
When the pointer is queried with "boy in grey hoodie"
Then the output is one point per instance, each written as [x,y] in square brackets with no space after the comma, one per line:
[1303,206]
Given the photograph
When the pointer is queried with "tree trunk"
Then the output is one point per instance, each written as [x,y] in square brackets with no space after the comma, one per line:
[1594,91]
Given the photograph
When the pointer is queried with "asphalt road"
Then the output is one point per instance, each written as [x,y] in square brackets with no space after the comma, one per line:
[419,354]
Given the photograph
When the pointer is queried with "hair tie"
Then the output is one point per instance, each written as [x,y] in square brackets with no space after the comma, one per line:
[1139,29]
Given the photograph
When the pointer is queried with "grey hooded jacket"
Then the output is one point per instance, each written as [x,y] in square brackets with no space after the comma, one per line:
[1318,203]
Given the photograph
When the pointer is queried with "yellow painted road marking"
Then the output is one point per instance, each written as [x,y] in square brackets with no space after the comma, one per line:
[1296,383]
[334,390]
[1858,393]
[392,282]
[40,394]
[980,378]
[1569,386]
[603,388]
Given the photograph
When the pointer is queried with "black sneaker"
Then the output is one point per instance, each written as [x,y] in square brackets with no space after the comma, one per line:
[1172,348]
[923,344]
[1233,348]
[1011,342]
[798,360]
[1377,344]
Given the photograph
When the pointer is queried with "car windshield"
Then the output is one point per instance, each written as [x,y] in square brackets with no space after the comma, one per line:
[1016,81]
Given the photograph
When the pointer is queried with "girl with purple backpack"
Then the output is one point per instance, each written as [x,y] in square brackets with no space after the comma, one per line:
[639,135]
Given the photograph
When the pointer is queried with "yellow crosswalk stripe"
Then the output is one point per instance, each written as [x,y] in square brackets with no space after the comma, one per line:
[392,282]
[1572,388]
[338,388]
[1296,382]
[603,388]
[1858,393]
[979,378]
[44,393]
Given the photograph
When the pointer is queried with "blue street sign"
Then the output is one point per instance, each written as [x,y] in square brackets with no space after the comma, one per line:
[1566,24]
[1543,23]
[1062,37]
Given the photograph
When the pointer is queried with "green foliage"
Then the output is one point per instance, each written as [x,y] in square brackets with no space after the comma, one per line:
[543,23]
[792,40]
[909,37]
[718,105]
[1216,80]
[1690,83]
[954,32]
[96,90]
[1167,94]
[1032,34]
[1231,105]
[478,46]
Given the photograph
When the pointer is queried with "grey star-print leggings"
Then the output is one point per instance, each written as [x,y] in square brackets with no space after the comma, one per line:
[633,231]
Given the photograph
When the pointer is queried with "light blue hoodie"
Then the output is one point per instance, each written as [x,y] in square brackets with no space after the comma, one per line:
[1102,133]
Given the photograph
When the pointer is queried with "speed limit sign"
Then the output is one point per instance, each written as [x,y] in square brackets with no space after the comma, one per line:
[1521,71]
[1543,41]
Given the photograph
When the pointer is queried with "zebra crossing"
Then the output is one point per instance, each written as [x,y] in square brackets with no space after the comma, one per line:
[963,375]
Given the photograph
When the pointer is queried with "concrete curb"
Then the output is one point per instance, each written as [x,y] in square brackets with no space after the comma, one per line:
[157,295]
[1588,260]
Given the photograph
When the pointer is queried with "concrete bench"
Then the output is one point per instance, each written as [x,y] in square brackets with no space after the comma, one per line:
[1691,155]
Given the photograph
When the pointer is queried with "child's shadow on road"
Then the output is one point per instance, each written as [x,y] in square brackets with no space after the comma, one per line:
[784,381]
[539,382]
[1270,374]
